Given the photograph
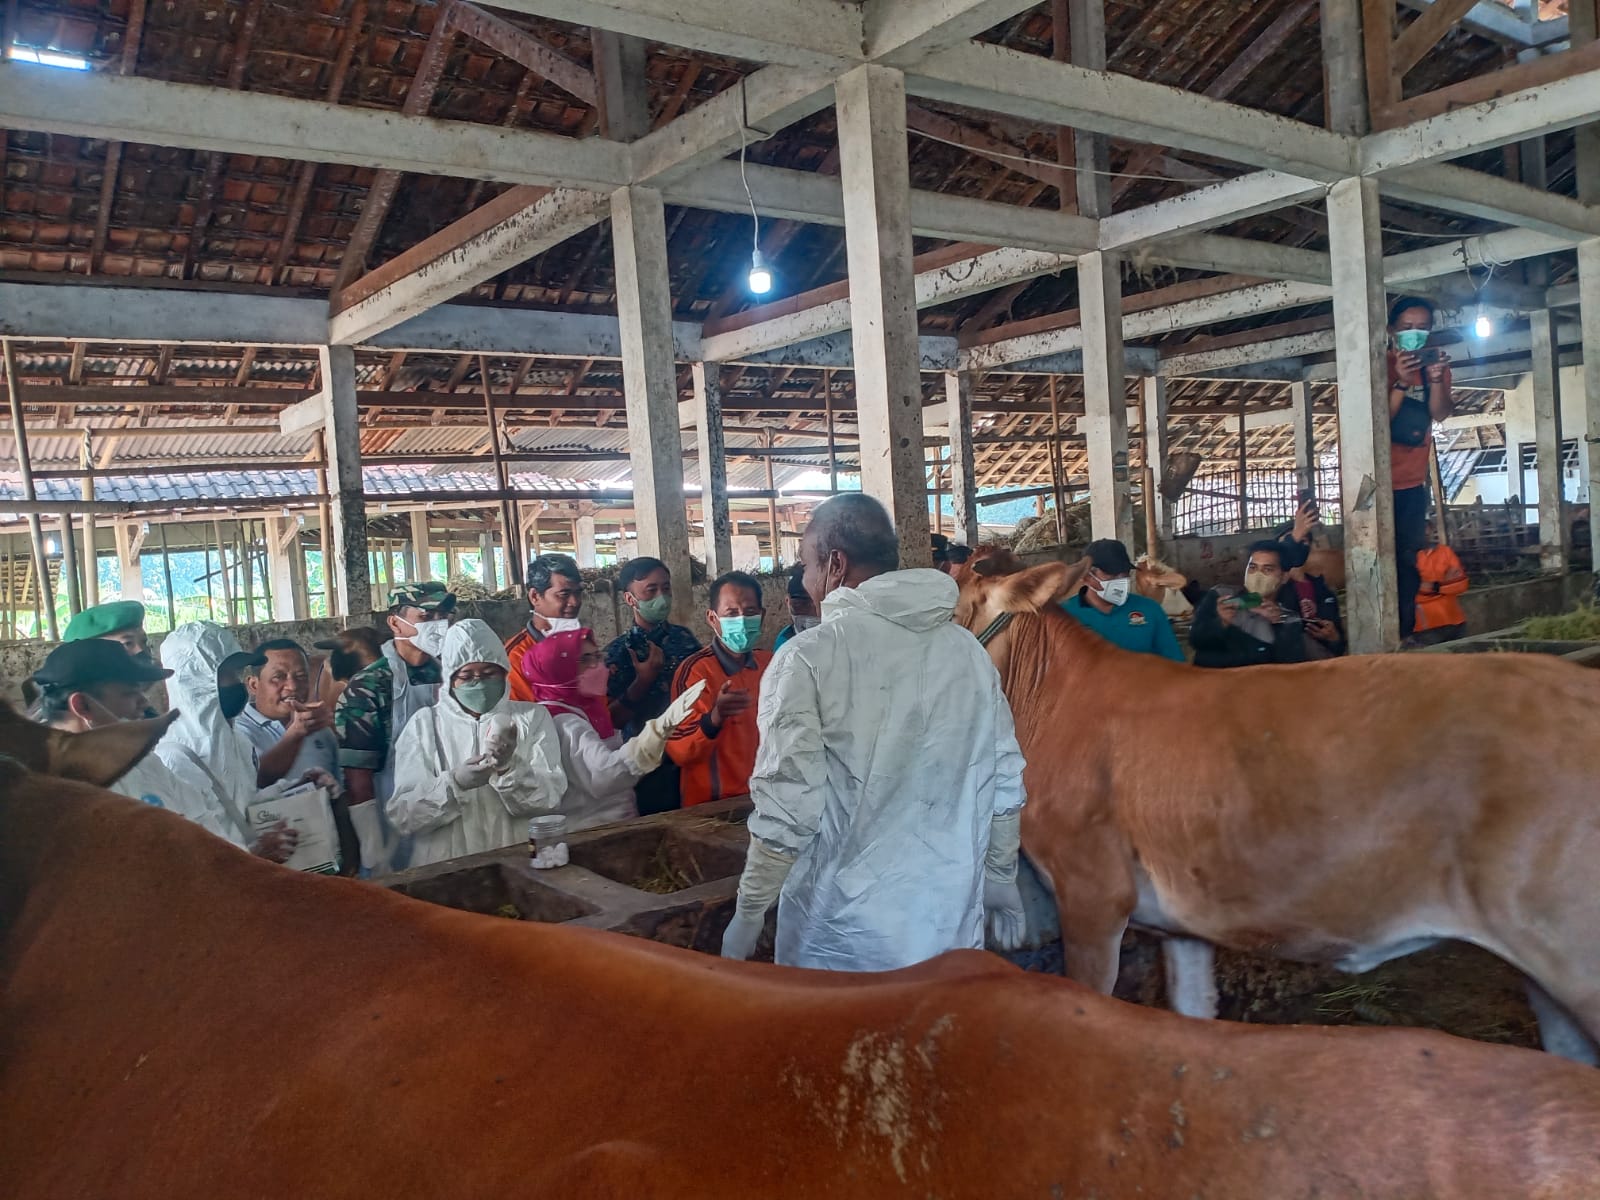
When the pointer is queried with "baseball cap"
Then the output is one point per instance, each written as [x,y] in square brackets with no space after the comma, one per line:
[94,660]
[241,661]
[430,597]
[1109,557]
[102,620]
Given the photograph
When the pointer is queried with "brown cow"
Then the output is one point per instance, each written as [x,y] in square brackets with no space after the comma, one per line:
[182,1020]
[1348,811]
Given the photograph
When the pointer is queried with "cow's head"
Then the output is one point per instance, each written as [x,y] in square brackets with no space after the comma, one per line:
[999,585]
[100,756]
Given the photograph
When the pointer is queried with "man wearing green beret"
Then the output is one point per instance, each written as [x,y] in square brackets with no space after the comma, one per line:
[120,621]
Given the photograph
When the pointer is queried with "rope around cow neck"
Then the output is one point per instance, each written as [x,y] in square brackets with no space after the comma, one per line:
[994,628]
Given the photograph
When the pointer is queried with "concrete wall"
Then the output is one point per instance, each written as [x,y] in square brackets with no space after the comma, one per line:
[603,610]
[1519,428]
[1505,604]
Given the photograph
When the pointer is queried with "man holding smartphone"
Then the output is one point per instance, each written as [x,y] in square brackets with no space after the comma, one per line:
[1419,395]
[1239,627]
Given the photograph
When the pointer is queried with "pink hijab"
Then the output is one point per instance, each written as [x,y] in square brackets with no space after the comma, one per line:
[551,668]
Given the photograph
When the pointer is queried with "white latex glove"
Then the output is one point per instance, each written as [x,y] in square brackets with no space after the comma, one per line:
[500,740]
[1007,921]
[643,753]
[321,778]
[375,851]
[474,773]
[739,942]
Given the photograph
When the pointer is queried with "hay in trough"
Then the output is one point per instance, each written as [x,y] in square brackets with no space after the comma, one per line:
[1582,624]
[663,876]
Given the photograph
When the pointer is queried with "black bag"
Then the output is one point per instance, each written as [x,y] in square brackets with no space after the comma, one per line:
[1412,424]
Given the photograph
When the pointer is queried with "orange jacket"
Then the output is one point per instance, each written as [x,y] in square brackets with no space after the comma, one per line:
[716,763]
[1438,565]
[518,645]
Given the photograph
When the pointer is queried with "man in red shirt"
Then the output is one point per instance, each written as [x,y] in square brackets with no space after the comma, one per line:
[716,745]
[1419,395]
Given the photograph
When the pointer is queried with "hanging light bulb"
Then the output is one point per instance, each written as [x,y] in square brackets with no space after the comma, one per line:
[1483,326]
[760,280]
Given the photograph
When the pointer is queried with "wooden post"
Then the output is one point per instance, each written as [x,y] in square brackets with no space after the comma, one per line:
[711,447]
[342,450]
[650,384]
[772,510]
[963,469]
[1057,485]
[1305,437]
[166,575]
[827,416]
[1244,468]
[1157,438]
[19,433]
[245,559]
[69,564]
[91,558]
[509,527]
[1436,478]
[223,575]
[129,536]
[1546,379]
[1360,326]
[1589,315]
[873,161]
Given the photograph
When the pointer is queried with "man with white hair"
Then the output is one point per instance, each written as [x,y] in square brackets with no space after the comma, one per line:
[888,784]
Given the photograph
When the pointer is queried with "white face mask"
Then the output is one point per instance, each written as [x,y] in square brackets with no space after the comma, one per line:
[1114,592]
[428,636]
[562,624]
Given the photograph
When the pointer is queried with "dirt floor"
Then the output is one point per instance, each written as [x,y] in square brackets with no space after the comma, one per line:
[1453,987]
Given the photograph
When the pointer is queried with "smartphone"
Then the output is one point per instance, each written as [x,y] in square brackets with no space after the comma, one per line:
[1247,600]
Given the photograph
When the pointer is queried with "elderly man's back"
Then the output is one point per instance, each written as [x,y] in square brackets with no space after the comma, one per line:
[887,749]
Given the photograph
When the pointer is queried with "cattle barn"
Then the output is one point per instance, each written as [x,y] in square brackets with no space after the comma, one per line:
[306,301]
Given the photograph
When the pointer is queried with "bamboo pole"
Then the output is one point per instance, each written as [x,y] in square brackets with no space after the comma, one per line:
[510,529]
[1436,478]
[827,409]
[772,512]
[222,574]
[41,566]
[1057,486]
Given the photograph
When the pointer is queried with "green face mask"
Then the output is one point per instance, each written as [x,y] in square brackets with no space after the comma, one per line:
[481,695]
[1411,340]
[656,610]
[739,633]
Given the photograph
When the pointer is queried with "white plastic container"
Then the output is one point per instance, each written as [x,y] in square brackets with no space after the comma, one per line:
[547,841]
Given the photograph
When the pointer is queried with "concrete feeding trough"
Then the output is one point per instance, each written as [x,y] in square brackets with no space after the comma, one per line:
[671,878]
[1512,640]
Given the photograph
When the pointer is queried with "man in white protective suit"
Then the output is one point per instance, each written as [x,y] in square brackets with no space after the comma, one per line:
[471,770]
[888,786]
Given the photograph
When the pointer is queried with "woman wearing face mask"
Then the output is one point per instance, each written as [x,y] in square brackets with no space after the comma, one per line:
[1108,605]
[716,748]
[470,770]
[566,675]
[1419,395]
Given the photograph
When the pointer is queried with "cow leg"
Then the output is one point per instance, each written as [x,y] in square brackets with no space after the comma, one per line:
[1191,976]
[1095,896]
[1559,1032]
[1093,961]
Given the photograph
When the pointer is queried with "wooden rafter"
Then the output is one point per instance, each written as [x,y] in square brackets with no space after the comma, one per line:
[131,39]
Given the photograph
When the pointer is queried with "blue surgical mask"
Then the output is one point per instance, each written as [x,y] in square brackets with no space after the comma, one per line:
[739,632]
[1411,340]
[481,695]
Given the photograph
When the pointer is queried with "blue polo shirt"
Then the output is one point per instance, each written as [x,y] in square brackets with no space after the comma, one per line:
[1139,625]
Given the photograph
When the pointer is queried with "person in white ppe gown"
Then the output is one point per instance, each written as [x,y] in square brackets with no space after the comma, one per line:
[473,768]
[888,785]
[564,672]
[202,748]
[95,683]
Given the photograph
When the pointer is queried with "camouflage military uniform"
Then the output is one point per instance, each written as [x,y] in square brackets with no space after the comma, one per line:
[362,718]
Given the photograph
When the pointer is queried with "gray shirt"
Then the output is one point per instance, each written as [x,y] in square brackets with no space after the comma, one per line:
[320,750]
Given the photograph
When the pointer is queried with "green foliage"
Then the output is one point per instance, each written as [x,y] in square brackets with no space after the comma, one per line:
[1582,624]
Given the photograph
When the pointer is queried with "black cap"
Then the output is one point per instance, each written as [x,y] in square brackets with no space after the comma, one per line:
[242,660]
[1109,557]
[95,660]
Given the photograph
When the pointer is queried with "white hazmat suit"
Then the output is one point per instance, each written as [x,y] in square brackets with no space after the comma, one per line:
[202,748]
[887,757]
[151,781]
[445,819]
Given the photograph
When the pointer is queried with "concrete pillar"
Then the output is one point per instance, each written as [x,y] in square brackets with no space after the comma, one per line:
[422,545]
[649,380]
[712,449]
[282,537]
[1344,73]
[1105,403]
[1361,334]
[130,539]
[1157,441]
[1305,440]
[486,569]
[342,438]
[1546,379]
[871,105]
[1589,314]
[583,541]
[963,468]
